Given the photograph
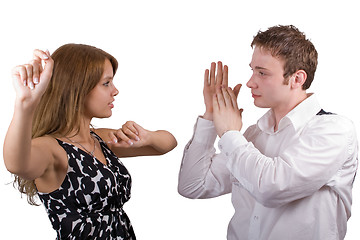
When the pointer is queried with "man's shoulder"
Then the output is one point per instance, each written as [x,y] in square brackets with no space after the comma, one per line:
[330,122]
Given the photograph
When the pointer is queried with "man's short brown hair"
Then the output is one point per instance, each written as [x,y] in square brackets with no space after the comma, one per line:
[291,45]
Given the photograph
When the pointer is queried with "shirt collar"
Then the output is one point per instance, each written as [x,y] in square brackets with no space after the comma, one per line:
[297,117]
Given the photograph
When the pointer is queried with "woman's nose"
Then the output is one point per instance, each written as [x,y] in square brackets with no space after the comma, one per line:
[115,91]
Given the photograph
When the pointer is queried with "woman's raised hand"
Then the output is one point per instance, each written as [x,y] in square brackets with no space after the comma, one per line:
[31,80]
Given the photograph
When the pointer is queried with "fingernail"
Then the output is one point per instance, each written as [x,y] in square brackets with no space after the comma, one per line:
[31,85]
[45,56]
[115,140]
[36,80]
[24,83]
[130,142]
[137,138]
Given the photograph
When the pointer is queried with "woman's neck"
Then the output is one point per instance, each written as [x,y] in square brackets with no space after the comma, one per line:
[83,133]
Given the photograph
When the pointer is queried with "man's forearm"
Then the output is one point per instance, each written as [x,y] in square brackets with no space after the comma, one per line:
[203,173]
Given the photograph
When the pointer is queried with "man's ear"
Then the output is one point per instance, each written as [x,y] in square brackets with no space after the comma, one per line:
[298,79]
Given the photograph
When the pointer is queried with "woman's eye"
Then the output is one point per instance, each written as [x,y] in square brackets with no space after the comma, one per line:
[106,84]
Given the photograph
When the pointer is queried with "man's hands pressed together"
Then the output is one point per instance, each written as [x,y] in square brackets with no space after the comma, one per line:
[226,114]
[211,84]
[221,101]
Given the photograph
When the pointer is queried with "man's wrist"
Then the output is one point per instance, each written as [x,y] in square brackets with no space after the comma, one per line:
[208,116]
[231,140]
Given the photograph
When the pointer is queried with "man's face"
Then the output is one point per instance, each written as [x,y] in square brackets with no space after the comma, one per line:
[267,81]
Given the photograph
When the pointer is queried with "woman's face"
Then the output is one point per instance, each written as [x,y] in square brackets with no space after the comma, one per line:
[99,101]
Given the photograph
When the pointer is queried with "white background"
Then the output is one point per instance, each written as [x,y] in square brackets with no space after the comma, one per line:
[163,48]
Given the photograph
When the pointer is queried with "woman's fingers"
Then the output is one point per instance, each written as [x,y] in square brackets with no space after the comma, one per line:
[29,74]
[19,75]
[127,134]
[119,136]
[36,72]
[39,55]
[131,134]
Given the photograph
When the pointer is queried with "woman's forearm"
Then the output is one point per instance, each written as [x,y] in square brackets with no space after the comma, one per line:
[17,144]
[162,141]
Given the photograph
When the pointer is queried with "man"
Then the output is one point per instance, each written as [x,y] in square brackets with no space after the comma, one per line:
[291,174]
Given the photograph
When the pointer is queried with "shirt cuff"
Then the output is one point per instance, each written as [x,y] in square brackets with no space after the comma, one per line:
[204,132]
[230,141]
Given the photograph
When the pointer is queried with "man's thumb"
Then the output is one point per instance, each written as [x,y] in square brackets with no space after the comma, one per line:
[237,89]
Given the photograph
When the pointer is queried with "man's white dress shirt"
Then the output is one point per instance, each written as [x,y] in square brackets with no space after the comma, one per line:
[294,183]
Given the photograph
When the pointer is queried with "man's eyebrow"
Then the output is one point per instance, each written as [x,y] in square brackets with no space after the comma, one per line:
[257,67]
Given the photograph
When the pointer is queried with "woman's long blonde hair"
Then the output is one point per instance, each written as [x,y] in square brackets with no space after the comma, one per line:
[77,70]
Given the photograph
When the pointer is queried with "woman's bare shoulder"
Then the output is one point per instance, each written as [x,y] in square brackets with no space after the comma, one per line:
[48,144]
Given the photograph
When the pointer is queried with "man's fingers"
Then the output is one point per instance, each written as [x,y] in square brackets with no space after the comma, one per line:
[219,74]
[220,98]
[226,96]
[225,76]
[216,107]
[212,74]
[206,78]
[237,89]
[233,98]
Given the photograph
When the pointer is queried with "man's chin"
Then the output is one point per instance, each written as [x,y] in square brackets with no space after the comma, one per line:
[260,105]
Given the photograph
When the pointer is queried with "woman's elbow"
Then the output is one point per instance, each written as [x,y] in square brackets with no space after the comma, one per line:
[169,145]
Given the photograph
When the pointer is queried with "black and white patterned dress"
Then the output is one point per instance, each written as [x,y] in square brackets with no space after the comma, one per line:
[88,205]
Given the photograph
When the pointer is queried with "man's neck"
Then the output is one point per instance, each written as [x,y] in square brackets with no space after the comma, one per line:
[282,111]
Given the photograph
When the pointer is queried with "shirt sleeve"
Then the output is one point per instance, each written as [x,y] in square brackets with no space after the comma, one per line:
[310,161]
[203,173]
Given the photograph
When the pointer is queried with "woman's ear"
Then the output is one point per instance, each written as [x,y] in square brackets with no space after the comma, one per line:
[298,79]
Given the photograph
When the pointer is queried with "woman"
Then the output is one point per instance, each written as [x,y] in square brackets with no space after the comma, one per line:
[53,151]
